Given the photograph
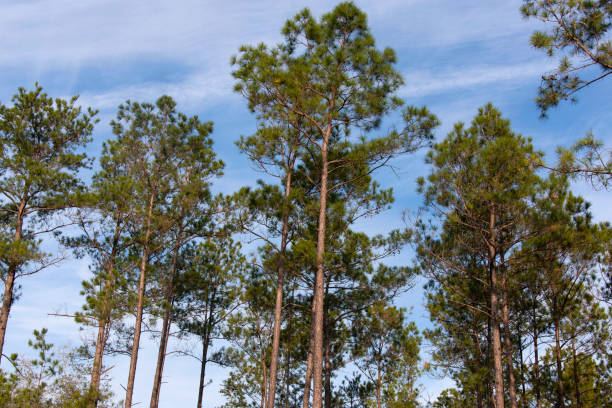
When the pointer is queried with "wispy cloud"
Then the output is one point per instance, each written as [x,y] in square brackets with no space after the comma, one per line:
[199,90]
[422,83]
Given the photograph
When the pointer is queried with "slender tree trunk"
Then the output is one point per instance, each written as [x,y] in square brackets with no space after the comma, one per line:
[557,351]
[494,290]
[287,380]
[508,343]
[7,302]
[576,376]
[327,358]
[264,381]
[287,376]
[278,306]
[490,391]
[140,307]
[523,392]
[205,343]
[479,399]
[9,281]
[497,353]
[317,340]
[308,376]
[104,322]
[96,372]
[378,386]
[161,359]
[536,362]
[166,324]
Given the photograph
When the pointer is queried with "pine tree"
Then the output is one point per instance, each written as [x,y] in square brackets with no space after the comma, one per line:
[386,351]
[330,75]
[480,188]
[40,158]
[208,291]
[579,31]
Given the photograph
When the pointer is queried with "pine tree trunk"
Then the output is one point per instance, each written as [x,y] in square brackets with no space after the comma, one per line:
[327,357]
[317,340]
[96,372]
[278,306]
[378,387]
[490,391]
[308,375]
[522,362]
[7,301]
[576,376]
[205,342]
[9,281]
[140,307]
[264,381]
[479,399]
[508,344]
[496,335]
[557,351]
[166,324]
[497,353]
[104,322]
[536,362]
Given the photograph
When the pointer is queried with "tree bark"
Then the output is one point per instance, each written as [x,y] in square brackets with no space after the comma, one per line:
[317,340]
[9,282]
[378,386]
[327,357]
[308,375]
[205,343]
[490,391]
[278,306]
[576,376]
[104,322]
[536,361]
[495,330]
[167,322]
[140,307]
[523,391]
[508,344]
[7,302]
[557,351]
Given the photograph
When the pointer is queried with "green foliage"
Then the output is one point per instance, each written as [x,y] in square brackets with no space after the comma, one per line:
[386,351]
[588,158]
[48,380]
[41,142]
[580,33]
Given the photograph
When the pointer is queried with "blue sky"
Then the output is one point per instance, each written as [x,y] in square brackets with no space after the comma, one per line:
[454,56]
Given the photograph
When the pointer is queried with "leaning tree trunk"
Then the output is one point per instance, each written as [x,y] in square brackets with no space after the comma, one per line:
[9,281]
[140,307]
[278,306]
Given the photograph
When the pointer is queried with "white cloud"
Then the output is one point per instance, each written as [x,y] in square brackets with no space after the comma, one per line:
[422,83]
[197,90]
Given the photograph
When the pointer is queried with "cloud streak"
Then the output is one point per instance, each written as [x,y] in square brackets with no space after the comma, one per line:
[423,83]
